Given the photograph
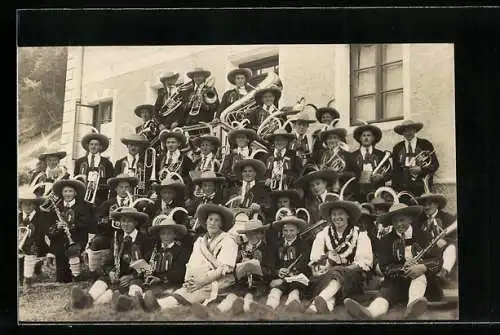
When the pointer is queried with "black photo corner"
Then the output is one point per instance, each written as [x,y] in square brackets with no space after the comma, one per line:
[475,33]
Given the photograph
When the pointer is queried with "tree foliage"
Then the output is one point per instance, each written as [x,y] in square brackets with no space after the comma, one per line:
[41,83]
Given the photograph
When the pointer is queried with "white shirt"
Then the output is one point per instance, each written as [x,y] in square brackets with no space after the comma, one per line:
[168,246]
[242,90]
[164,204]
[280,152]
[175,155]
[245,152]
[363,150]
[69,204]
[244,187]
[289,243]
[97,159]
[413,144]
[53,173]
[133,235]
[206,160]
[322,196]
[269,108]
[119,200]
[407,235]
[130,159]
[29,216]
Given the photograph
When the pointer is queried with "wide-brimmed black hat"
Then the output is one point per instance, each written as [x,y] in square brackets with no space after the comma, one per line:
[377,133]
[168,75]
[340,132]
[77,185]
[149,108]
[320,111]
[399,129]
[208,176]
[292,194]
[434,197]
[303,116]
[233,73]
[400,209]
[380,202]
[112,182]
[165,133]
[52,152]
[134,139]
[226,214]
[198,71]
[353,209]
[252,225]
[282,133]
[328,175]
[26,194]
[130,212]
[167,222]
[250,133]
[210,138]
[103,139]
[275,90]
[175,184]
[299,223]
[259,167]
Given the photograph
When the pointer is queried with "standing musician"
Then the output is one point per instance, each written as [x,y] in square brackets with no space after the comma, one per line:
[172,159]
[267,99]
[73,220]
[324,115]
[169,89]
[128,247]
[196,99]
[210,266]
[283,166]
[410,167]
[95,144]
[171,193]
[315,185]
[35,246]
[365,160]
[239,78]
[54,170]
[37,175]
[133,162]
[99,251]
[401,284]
[341,256]
[209,146]
[304,142]
[149,127]
[239,141]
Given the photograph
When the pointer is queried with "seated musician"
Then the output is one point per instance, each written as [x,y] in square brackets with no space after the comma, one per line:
[290,270]
[69,238]
[95,144]
[368,223]
[196,101]
[283,166]
[283,202]
[209,146]
[325,116]
[239,78]
[35,246]
[173,159]
[149,127]
[119,278]
[408,171]
[434,220]
[251,283]
[169,89]
[341,256]
[239,141]
[365,160]
[210,266]
[133,162]
[267,99]
[303,143]
[401,282]
[315,185]
[100,247]
[54,170]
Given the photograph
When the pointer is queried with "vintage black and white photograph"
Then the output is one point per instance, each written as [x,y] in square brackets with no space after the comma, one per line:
[194,183]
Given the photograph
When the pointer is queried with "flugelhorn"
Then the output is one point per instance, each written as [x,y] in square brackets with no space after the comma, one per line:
[380,168]
[206,94]
[150,162]
[92,186]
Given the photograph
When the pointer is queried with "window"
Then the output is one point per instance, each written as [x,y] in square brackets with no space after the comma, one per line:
[376,82]
[261,67]
[102,114]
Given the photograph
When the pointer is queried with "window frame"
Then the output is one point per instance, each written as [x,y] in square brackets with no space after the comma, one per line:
[259,64]
[379,83]
[98,112]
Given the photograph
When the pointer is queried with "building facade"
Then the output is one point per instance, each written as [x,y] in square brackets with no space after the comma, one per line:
[380,83]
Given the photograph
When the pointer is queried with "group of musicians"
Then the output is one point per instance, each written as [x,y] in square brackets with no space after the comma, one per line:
[299,214]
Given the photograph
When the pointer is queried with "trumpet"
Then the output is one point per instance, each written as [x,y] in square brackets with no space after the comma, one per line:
[92,186]
[206,94]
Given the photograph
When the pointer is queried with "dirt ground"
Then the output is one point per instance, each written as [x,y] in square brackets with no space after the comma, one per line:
[45,302]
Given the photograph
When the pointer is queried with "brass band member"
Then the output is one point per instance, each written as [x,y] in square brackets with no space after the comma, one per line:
[54,170]
[169,89]
[365,160]
[95,144]
[267,99]
[99,251]
[283,166]
[409,171]
[209,145]
[35,246]
[129,246]
[289,199]
[133,162]
[239,141]
[341,255]
[239,78]
[403,243]
[210,266]
[195,97]
[171,194]
[324,115]
[149,127]
[172,159]
[69,238]
[304,142]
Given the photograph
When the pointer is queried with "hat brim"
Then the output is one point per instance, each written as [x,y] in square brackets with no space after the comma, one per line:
[169,76]
[377,133]
[250,133]
[178,136]
[204,73]
[260,93]
[77,185]
[140,217]
[180,230]
[94,136]
[322,110]
[288,136]
[212,139]
[293,195]
[139,142]
[260,168]
[178,187]
[138,109]
[438,198]
[220,180]
[232,74]
[352,209]
[383,205]
[29,198]
[411,211]
[226,213]
[327,175]
[299,223]
[401,128]
[58,154]
[340,132]
[256,228]
[114,181]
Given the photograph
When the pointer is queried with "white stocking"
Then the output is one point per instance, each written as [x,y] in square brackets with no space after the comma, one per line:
[226,304]
[294,295]
[273,299]
[134,288]
[97,289]
[378,307]
[74,265]
[417,288]
[168,302]
[247,301]
[449,257]
[105,298]
[330,290]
